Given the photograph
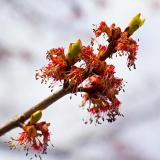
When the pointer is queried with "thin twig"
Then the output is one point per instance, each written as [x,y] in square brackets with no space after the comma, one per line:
[40,106]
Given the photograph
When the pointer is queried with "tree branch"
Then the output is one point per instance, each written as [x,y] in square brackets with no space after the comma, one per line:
[40,106]
[51,99]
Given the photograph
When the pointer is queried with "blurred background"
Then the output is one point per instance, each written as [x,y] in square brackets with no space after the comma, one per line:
[29,28]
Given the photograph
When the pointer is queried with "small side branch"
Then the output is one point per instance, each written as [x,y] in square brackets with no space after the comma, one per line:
[40,106]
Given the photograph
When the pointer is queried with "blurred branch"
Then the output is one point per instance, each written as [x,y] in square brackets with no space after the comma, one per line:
[26,11]
[32,15]
[40,106]
[4,53]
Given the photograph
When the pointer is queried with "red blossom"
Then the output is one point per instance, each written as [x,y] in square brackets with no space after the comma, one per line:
[37,147]
[110,70]
[102,28]
[75,76]
[102,48]
[87,54]
[95,80]
[102,96]
[55,68]
[55,51]
[34,137]
[128,45]
[21,138]
[91,60]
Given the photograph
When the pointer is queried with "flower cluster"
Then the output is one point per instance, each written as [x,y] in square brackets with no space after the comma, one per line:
[35,136]
[120,42]
[85,69]
[56,65]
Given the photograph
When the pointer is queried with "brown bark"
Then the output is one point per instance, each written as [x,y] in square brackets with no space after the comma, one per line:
[40,106]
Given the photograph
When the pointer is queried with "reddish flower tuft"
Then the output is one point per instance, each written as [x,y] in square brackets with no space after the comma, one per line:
[101,95]
[102,28]
[55,69]
[75,77]
[102,48]
[128,45]
[34,137]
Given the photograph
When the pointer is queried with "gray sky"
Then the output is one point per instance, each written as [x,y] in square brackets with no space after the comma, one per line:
[29,28]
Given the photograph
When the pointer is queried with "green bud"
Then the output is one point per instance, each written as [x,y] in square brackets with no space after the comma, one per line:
[73,51]
[135,23]
[35,117]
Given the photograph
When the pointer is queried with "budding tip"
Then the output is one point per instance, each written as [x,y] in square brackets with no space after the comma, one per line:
[135,23]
